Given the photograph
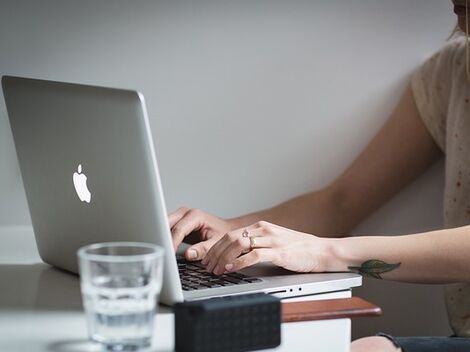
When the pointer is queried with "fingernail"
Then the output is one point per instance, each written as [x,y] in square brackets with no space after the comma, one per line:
[229,267]
[191,254]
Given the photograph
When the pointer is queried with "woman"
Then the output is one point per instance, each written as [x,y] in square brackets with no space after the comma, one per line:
[305,234]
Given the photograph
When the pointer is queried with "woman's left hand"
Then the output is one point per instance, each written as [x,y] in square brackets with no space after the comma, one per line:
[266,242]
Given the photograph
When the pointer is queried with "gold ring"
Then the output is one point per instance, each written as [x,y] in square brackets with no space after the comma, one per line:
[245,233]
[252,243]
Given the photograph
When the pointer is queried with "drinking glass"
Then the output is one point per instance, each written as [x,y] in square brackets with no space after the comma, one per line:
[120,284]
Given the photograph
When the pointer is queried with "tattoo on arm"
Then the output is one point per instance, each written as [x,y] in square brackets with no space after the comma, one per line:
[374,268]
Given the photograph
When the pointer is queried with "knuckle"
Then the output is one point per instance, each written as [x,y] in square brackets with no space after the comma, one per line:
[201,249]
[265,227]
[239,241]
[262,223]
[195,212]
[265,231]
[232,236]
[176,229]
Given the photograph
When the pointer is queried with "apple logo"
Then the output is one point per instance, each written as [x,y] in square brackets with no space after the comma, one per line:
[79,181]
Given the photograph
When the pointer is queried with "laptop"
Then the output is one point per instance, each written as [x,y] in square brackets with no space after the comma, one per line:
[90,174]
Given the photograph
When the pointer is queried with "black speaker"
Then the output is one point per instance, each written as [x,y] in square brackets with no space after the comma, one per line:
[230,324]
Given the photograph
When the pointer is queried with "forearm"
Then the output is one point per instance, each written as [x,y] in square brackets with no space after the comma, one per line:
[433,257]
[400,151]
[321,213]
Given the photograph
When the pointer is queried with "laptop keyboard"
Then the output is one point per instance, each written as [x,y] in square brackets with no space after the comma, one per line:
[194,276]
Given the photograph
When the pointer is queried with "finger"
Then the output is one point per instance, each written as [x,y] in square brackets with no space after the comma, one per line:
[211,259]
[176,216]
[255,256]
[199,250]
[242,245]
[232,251]
[191,221]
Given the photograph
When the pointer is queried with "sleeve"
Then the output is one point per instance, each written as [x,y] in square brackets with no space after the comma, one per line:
[431,84]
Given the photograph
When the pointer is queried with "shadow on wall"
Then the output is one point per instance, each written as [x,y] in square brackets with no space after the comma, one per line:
[408,309]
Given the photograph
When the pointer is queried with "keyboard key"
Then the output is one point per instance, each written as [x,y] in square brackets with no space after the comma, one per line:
[233,280]
[237,275]
[252,279]
[212,285]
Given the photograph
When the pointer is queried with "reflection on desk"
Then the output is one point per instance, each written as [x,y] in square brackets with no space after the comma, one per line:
[39,287]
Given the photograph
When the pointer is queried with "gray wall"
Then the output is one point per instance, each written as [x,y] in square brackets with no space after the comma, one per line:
[251,102]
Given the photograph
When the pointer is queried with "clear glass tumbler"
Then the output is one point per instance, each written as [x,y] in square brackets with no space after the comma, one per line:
[120,284]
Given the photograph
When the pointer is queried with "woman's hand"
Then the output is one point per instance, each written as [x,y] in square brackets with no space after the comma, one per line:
[210,228]
[266,242]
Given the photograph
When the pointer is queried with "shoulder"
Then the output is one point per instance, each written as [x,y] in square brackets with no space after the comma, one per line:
[443,67]
[434,82]
[450,57]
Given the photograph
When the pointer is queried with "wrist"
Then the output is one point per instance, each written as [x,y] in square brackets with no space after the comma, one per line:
[340,254]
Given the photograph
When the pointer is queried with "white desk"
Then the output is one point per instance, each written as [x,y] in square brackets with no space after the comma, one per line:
[40,309]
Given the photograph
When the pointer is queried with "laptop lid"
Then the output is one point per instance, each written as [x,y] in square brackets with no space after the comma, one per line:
[89,170]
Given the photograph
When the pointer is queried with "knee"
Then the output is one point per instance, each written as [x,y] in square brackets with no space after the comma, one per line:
[373,344]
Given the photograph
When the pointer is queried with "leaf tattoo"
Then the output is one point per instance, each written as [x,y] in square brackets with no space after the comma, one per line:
[373,268]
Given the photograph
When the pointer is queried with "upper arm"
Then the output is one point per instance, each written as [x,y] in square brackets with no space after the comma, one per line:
[401,150]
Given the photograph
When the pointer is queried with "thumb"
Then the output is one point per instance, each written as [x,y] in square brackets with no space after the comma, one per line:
[197,251]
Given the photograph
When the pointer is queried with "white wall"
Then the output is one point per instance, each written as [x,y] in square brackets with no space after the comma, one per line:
[251,102]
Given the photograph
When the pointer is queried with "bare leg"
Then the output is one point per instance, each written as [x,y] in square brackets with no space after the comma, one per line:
[373,344]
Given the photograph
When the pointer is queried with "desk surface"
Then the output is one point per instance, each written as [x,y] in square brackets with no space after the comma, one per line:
[41,310]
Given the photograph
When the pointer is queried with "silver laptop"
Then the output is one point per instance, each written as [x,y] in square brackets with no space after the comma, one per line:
[90,174]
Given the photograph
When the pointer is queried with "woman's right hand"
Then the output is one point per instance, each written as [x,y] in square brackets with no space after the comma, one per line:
[185,221]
